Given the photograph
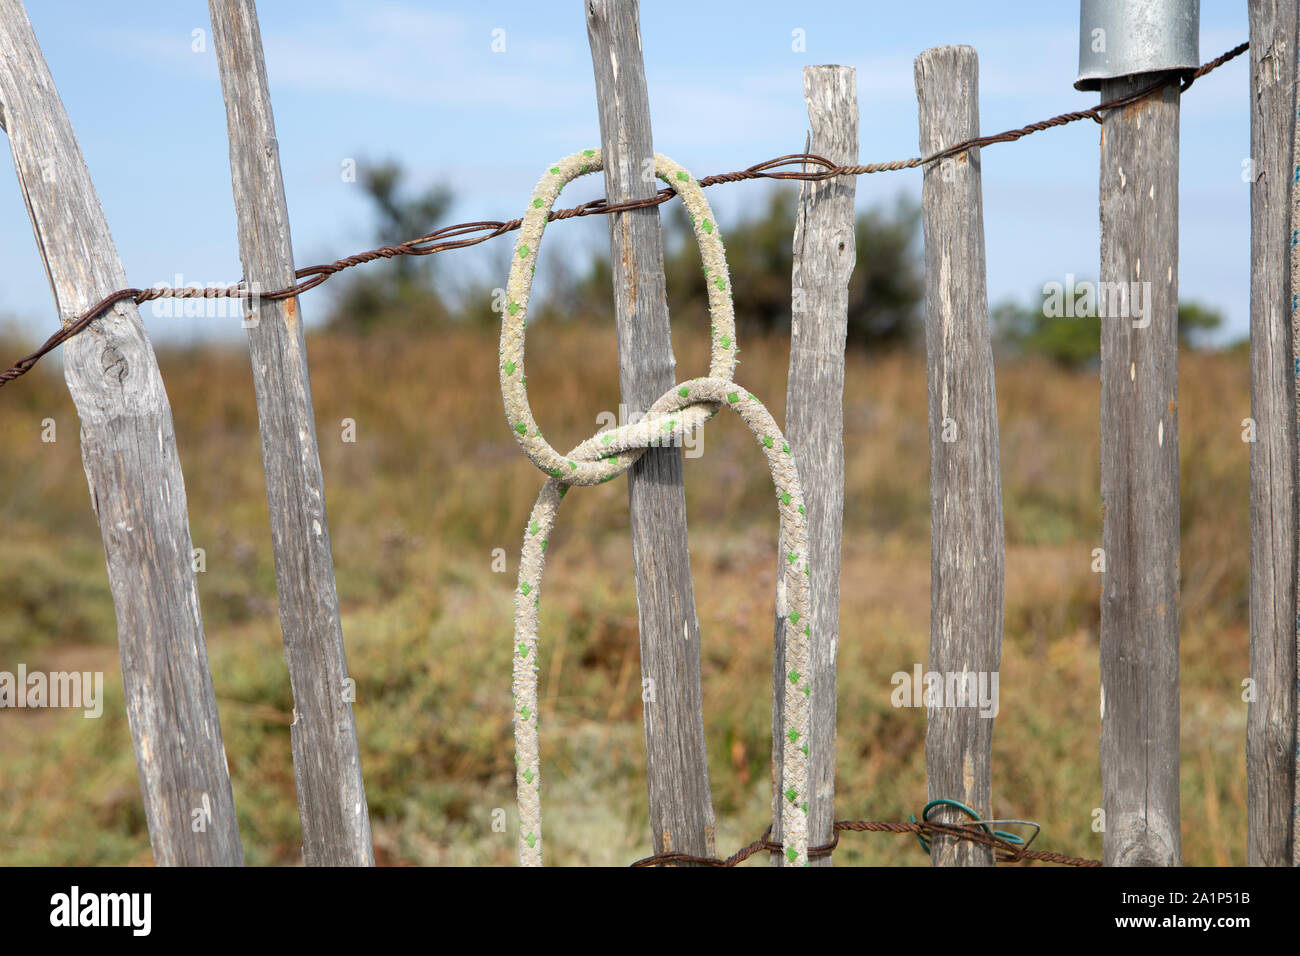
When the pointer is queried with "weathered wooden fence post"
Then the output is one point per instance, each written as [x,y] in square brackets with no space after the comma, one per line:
[824,256]
[326,760]
[128,448]
[681,811]
[1270,726]
[966,539]
[1138,305]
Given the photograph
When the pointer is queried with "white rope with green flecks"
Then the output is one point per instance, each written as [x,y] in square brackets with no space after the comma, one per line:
[670,420]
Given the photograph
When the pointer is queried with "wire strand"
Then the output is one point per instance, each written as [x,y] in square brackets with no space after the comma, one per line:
[465,234]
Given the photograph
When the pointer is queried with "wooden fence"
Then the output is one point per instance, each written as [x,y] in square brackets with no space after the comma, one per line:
[138,492]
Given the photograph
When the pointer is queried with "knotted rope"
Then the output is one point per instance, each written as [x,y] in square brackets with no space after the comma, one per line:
[670,420]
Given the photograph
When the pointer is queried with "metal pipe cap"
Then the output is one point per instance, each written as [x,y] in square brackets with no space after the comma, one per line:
[1123,37]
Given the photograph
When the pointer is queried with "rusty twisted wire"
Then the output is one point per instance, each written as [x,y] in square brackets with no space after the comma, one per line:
[466,234]
[1004,851]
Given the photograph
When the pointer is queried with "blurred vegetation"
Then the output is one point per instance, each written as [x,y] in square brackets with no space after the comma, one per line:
[399,292]
[885,295]
[435,482]
[434,485]
[1076,341]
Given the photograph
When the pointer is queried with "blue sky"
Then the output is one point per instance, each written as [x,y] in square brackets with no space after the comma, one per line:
[419,82]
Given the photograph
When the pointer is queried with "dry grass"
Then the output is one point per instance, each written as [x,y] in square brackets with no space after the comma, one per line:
[434,483]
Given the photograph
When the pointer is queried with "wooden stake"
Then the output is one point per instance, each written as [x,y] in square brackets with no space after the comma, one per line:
[1271,717]
[967,559]
[677,771]
[824,257]
[326,760]
[128,448]
[1138,304]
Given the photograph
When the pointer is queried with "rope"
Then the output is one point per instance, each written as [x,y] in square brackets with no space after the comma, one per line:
[463,234]
[673,417]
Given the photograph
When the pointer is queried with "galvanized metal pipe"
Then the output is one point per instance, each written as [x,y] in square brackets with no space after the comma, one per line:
[1120,38]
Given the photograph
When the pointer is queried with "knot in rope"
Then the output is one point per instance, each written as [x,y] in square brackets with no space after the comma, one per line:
[670,420]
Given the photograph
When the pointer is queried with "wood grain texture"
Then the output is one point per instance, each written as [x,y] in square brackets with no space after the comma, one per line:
[326,761]
[1270,724]
[128,449]
[824,256]
[681,812]
[1139,480]
[967,561]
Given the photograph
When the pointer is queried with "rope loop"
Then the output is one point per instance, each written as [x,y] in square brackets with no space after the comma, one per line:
[514,321]
[671,419]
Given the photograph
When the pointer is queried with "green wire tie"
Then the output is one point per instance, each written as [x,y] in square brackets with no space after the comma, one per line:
[1012,838]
